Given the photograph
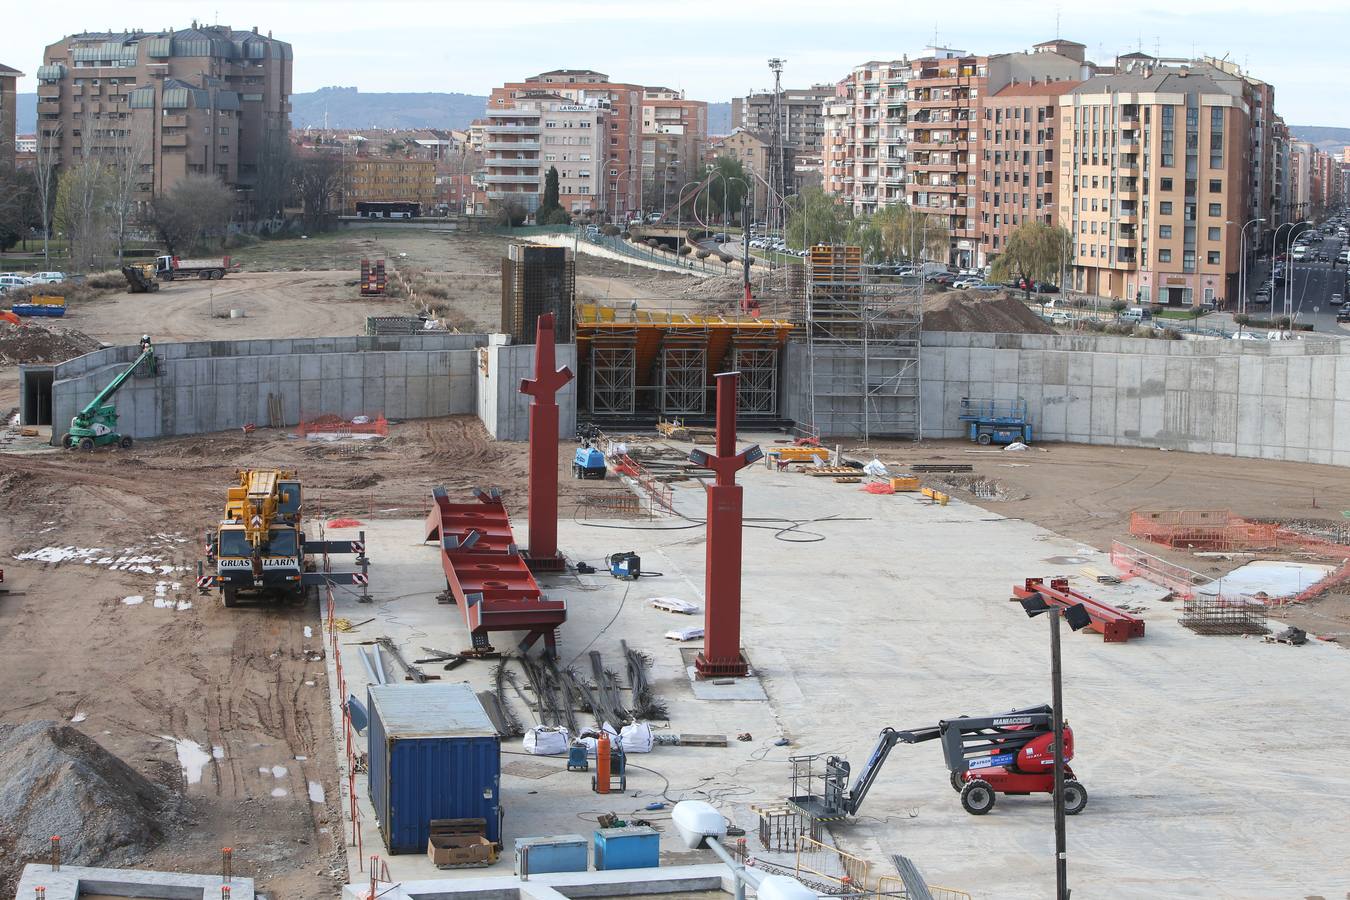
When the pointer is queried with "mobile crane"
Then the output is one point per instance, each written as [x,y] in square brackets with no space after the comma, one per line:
[260,550]
[1010,753]
[96,424]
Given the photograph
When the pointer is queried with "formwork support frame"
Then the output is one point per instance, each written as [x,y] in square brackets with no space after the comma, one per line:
[757,389]
[613,373]
[684,375]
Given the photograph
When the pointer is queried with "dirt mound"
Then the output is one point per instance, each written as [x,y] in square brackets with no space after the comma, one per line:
[33,343]
[979,311]
[55,780]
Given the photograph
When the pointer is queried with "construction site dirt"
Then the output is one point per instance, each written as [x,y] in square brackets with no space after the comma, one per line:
[1087,493]
[228,708]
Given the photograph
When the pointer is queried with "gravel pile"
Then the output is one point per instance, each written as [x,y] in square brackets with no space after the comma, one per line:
[55,780]
[33,343]
[980,311]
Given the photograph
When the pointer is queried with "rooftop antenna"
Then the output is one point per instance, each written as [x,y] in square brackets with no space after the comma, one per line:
[1057,34]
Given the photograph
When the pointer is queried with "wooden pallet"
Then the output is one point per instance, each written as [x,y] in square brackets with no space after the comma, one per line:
[820,471]
[942,467]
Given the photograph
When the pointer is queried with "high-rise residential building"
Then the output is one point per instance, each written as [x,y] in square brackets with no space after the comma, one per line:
[1280,205]
[543,130]
[1300,178]
[1019,167]
[837,149]
[865,136]
[678,130]
[802,123]
[948,133]
[1154,181]
[9,78]
[752,149]
[206,100]
[674,142]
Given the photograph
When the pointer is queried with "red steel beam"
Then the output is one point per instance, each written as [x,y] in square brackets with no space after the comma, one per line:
[486,573]
[543,389]
[1114,625]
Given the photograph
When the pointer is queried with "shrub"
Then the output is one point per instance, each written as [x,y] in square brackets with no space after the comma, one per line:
[685,250]
[105,281]
[1171,334]
[727,257]
[558,217]
[703,253]
[610,230]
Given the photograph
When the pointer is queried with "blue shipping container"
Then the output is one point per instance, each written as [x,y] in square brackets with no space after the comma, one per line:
[634,847]
[433,754]
[557,853]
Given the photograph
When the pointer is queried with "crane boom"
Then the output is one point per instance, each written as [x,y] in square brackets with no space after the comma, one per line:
[886,742]
[148,353]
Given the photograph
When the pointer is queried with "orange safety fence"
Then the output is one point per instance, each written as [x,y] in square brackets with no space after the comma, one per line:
[330,424]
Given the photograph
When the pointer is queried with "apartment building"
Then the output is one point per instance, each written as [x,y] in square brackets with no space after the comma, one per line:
[753,150]
[206,99]
[384,179]
[542,130]
[948,134]
[674,143]
[1018,167]
[9,79]
[616,151]
[865,136]
[802,123]
[1300,178]
[1154,180]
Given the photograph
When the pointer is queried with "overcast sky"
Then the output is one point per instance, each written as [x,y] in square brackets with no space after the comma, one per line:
[716,49]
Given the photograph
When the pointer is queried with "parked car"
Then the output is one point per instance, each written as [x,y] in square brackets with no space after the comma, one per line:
[10,282]
[987,286]
[1337,299]
[720,237]
[1137,314]
[47,278]
[1343,314]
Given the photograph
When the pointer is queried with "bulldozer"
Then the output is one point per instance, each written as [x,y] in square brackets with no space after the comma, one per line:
[260,550]
[140,278]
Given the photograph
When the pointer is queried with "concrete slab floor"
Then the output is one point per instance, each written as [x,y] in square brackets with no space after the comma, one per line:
[74,882]
[1204,779]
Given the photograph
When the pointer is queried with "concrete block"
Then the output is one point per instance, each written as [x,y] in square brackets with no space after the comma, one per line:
[981,365]
[330,367]
[1103,416]
[246,369]
[1177,373]
[351,365]
[247,400]
[1322,381]
[223,371]
[325,345]
[1249,422]
[1006,366]
[310,400]
[1080,370]
[269,369]
[330,397]
[417,364]
[1251,375]
[1298,377]
[1126,414]
[1129,375]
[290,367]
[1340,425]
[1078,419]
[1272,419]
[419,397]
[440,395]
[1053,418]
[226,412]
[395,365]
[1103,370]
[395,397]
[353,400]
[1274,377]
[1030,368]
[373,365]
[1321,424]
[1296,423]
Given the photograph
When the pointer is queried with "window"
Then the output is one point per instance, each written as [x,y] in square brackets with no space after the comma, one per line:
[1216,209]
[1164,231]
[1165,208]
[1188,261]
[1214,234]
[1216,186]
[1164,184]
[1164,256]
[1212,257]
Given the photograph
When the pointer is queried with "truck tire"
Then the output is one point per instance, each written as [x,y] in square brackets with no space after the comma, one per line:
[205,275]
[957,782]
[125,442]
[65,441]
[1075,798]
[984,439]
[230,597]
[86,443]
[978,797]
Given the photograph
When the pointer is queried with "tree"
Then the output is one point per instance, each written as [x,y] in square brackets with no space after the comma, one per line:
[46,158]
[558,216]
[194,212]
[19,213]
[1034,252]
[125,167]
[726,190]
[550,201]
[84,200]
[1242,320]
[318,180]
[899,232]
[273,184]
[508,213]
[815,217]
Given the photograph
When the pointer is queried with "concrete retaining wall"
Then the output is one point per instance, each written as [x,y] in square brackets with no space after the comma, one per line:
[1285,400]
[220,385]
[504,410]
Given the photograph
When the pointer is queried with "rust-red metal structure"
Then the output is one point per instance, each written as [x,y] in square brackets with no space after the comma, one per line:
[542,555]
[486,573]
[1114,625]
[721,656]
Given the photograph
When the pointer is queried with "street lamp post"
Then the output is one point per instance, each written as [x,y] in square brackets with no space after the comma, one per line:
[1242,272]
[1289,272]
[1077,617]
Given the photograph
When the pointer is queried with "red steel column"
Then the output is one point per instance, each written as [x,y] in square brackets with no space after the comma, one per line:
[547,381]
[721,656]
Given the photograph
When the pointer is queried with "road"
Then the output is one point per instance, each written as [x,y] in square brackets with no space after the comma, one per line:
[1311,286]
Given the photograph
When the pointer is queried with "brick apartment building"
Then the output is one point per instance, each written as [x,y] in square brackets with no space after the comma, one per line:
[674,140]
[1154,182]
[864,147]
[206,99]
[803,125]
[752,149]
[380,179]
[9,78]
[1019,166]
[623,118]
[542,130]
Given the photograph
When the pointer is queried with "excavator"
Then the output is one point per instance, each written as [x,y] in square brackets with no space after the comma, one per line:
[260,550]
[1009,753]
[96,424]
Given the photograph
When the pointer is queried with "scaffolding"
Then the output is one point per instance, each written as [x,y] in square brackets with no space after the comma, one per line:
[537,280]
[684,375]
[862,347]
[613,373]
[757,388]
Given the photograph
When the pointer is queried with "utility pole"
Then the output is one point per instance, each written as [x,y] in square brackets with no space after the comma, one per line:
[776,218]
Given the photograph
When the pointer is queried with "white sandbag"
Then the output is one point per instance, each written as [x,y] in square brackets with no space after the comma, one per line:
[876,468]
[1017,446]
[636,738]
[543,740]
[684,634]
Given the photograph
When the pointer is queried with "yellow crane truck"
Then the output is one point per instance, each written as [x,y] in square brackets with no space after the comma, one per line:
[260,550]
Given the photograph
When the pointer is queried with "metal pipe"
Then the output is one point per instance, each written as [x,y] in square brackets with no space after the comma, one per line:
[739,872]
[1061,856]
[525,863]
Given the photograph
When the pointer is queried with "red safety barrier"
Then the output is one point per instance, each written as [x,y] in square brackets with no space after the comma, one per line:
[329,424]
[659,492]
[487,574]
[1114,625]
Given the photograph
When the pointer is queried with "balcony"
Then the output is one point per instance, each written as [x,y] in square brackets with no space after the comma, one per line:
[48,106]
[173,140]
[493,178]
[505,162]
[513,113]
[1129,123]
[511,129]
[173,121]
[510,195]
[511,145]
[1130,241]
[1128,216]
[1127,193]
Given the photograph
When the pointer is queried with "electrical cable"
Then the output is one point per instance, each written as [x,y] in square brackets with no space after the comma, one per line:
[612,620]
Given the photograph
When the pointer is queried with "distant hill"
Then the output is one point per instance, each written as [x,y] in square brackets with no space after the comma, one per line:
[346,107]
[1325,137]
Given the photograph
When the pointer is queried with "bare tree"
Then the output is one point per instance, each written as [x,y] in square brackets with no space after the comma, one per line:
[318,179]
[126,172]
[84,199]
[44,174]
[194,212]
[272,186]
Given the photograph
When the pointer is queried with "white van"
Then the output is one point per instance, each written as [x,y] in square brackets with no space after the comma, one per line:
[1137,314]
